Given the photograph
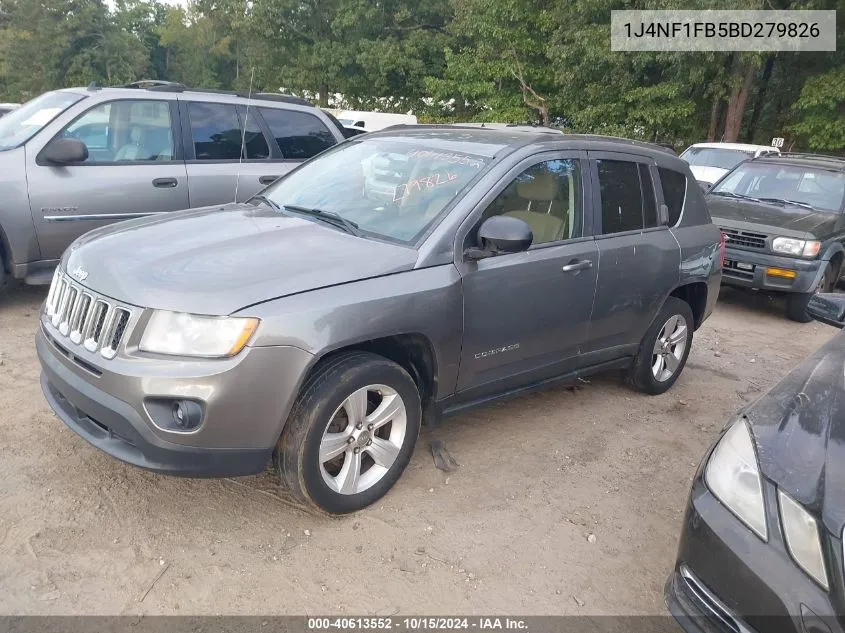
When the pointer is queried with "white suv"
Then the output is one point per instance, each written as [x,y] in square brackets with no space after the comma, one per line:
[710,161]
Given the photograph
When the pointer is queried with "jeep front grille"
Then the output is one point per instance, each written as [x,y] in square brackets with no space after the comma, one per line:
[743,239]
[87,319]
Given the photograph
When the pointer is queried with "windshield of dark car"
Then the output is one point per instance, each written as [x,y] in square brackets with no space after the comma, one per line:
[388,188]
[821,189]
[716,157]
[20,125]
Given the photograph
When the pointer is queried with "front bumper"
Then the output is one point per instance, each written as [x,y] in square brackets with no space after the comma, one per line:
[726,579]
[245,402]
[747,269]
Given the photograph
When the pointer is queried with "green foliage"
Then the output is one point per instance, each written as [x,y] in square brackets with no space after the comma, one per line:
[541,61]
[822,109]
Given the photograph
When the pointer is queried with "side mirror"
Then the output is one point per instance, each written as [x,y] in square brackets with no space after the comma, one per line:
[663,215]
[62,151]
[501,234]
[828,308]
[705,186]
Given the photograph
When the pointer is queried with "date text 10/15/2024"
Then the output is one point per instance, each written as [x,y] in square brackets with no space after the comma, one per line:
[417,624]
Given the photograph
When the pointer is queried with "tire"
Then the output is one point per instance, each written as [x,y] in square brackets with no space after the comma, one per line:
[323,422]
[796,304]
[645,374]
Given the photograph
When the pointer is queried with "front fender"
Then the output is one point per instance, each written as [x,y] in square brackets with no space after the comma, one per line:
[427,302]
[17,230]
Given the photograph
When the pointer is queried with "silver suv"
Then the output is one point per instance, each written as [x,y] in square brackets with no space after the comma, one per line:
[77,159]
[402,275]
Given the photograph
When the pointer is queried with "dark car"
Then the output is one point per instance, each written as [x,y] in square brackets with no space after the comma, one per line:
[761,547]
[417,269]
[782,217]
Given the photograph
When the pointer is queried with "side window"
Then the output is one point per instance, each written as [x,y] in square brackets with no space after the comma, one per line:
[627,196]
[121,131]
[548,197]
[299,135]
[215,130]
[674,192]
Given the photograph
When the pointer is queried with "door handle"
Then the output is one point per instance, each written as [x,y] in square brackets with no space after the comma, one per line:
[577,264]
[165,183]
[267,180]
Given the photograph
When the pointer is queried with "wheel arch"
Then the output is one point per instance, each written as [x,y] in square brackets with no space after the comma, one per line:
[5,253]
[694,294]
[413,351]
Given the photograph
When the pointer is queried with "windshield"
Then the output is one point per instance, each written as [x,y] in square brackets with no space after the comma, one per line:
[821,189]
[20,125]
[388,188]
[715,157]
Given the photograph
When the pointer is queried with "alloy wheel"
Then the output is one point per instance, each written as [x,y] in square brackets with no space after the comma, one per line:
[669,348]
[362,439]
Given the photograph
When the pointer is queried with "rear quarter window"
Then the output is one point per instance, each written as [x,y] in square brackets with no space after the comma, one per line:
[299,135]
[674,192]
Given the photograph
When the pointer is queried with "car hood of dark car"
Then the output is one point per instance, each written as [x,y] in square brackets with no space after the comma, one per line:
[217,260]
[770,218]
[799,429]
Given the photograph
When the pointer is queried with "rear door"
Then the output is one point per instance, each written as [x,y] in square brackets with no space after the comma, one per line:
[214,133]
[134,168]
[639,259]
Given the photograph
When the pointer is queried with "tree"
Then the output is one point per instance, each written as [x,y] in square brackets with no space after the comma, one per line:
[821,111]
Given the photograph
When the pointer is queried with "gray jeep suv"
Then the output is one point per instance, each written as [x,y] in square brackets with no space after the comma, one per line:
[321,321]
[78,159]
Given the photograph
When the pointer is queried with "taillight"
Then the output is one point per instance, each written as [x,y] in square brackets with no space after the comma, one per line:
[722,248]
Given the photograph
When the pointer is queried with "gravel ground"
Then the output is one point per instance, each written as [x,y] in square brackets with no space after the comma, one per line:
[565,502]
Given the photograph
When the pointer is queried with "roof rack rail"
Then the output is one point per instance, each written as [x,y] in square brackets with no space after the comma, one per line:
[174,86]
[156,84]
[809,155]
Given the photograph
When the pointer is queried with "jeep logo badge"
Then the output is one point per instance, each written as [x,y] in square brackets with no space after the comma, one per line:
[79,273]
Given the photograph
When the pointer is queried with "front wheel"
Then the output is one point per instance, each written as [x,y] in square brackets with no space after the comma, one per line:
[351,433]
[796,304]
[664,349]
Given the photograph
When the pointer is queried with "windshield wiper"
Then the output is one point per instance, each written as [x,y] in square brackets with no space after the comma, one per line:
[785,201]
[266,201]
[327,216]
[731,194]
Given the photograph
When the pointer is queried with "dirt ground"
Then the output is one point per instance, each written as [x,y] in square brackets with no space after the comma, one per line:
[508,532]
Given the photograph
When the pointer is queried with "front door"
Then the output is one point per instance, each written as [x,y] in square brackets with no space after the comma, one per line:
[133,169]
[527,314]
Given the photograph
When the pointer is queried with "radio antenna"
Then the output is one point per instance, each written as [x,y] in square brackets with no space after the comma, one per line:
[243,133]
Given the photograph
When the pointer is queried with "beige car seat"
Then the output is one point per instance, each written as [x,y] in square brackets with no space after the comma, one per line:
[134,149]
[541,193]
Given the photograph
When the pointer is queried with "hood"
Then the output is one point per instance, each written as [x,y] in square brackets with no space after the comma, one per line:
[217,260]
[707,174]
[789,220]
[799,429]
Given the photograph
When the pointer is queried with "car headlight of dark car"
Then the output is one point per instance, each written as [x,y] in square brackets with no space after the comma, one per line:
[733,475]
[802,538]
[799,248]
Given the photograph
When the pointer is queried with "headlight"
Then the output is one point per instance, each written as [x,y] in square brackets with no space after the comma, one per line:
[799,248]
[190,335]
[733,476]
[802,538]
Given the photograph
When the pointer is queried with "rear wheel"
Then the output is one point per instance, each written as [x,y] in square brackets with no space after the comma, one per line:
[664,349]
[796,304]
[351,433]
